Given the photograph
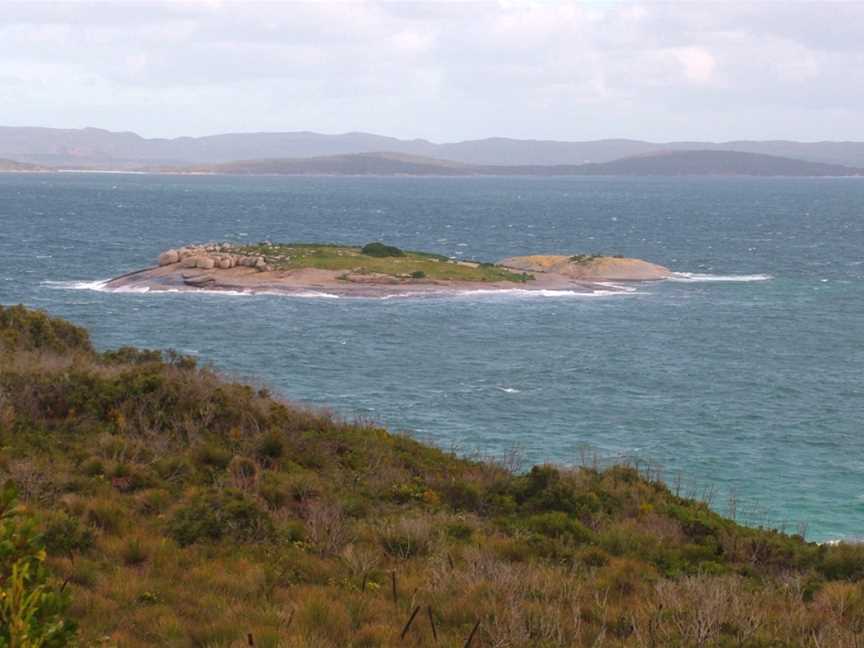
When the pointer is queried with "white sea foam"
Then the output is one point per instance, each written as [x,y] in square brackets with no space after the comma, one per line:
[518,293]
[98,285]
[845,540]
[508,390]
[525,292]
[617,287]
[695,277]
[500,292]
[102,286]
[306,294]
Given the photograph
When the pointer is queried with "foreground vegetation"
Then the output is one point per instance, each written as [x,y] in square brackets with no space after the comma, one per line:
[378,259]
[181,509]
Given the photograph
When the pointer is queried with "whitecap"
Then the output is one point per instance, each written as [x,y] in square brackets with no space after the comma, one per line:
[508,390]
[546,292]
[306,294]
[618,287]
[98,285]
[857,540]
[695,277]
[517,293]
[102,286]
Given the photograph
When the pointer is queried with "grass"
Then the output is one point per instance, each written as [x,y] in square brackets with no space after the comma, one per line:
[587,259]
[184,509]
[348,259]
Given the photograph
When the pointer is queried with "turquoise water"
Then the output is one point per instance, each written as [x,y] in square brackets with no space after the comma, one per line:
[746,380]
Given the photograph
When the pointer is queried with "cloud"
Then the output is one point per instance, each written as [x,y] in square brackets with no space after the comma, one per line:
[441,70]
[698,63]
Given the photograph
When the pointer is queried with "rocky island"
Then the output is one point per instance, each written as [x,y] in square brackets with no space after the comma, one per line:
[372,270]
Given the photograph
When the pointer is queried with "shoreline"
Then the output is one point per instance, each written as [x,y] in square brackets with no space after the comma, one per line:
[376,270]
[309,280]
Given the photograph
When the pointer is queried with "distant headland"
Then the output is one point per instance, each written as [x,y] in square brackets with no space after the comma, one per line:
[307,153]
[375,269]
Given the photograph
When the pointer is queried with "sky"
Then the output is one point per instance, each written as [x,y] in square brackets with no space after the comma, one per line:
[443,71]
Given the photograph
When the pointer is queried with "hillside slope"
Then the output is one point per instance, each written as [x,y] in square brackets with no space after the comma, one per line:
[183,509]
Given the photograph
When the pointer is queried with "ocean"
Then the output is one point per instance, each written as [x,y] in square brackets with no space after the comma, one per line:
[741,380]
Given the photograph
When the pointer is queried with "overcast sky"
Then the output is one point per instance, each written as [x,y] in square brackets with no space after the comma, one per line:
[438,70]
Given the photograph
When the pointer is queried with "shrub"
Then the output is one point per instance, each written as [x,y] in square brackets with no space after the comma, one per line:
[173,468]
[625,577]
[105,516]
[303,485]
[153,501]
[843,561]
[418,274]
[462,496]
[32,613]
[217,515]
[273,489]
[558,525]
[32,330]
[321,617]
[86,572]
[212,456]
[326,528]
[593,557]
[270,446]
[355,507]
[93,467]
[543,489]
[407,538]
[244,472]
[130,355]
[378,249]
[133,553]
[65,535]
[292,531]
[459,531]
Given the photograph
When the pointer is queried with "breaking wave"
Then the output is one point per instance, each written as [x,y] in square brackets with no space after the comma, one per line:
[695,277]
[101,286]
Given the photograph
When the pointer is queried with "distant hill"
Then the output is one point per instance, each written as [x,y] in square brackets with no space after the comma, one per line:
[679,163]
[97,147]
[663,163]
[12,165]
[674,163]
[351,164]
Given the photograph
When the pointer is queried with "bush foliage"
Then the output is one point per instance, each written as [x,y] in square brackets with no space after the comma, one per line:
[380,250]
[32,609]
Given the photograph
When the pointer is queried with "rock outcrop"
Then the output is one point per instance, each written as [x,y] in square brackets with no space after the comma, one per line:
[221,256]
[589,268]
[168,257]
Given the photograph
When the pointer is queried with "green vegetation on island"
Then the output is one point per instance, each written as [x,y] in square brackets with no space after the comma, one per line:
[377,258]
[179,508]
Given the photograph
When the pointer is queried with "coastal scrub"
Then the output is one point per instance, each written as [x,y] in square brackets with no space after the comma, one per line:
[181,508]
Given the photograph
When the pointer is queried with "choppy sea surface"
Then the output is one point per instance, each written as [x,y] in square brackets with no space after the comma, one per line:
[742,379]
